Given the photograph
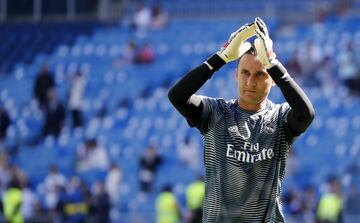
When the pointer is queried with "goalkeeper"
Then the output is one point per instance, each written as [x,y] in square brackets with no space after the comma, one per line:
[246,140]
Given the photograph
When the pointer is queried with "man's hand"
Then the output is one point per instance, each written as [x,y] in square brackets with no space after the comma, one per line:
[230,51]
[264,45]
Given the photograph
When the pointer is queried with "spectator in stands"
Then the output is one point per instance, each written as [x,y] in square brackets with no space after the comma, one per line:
[101,204]
[293,65]
[293,201]
[310,56]
[74,203]
[113,182]
[195,194]
[327,66]
[167,208]
[354,83]
[292,164]
[348,68]
[188,153]
[52,185]
[142,17]
[149,162]
[352,205]
[4,124]
[92,156]
[88,197]
[54,115]
[130,52]
[86,191]
[76,98]
[5,171]
[309,205]
[145,55]
[346,60]
[12,200]
[18,173]
[43,83]
[29,201]
[128,56]
[159,18]
[135,55]
[40,213]
[331,204]
[59,213]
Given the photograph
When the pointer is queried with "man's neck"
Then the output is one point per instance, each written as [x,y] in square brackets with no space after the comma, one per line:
[251,107]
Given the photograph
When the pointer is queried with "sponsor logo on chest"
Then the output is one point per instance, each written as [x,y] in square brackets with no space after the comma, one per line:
[249,152]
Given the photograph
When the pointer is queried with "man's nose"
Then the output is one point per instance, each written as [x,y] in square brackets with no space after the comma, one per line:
[251,81]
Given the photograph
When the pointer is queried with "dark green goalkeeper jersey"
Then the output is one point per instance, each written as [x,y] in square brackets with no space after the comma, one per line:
[245,156]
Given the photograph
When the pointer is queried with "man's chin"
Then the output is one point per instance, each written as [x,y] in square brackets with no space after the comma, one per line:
[252,100]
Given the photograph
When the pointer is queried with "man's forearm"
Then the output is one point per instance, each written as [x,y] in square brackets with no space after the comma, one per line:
[302,112]
[180,93]
[188,85]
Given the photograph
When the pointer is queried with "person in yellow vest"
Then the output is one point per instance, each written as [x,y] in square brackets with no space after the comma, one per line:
[12,199]
[331,204]
[195,193]
[167,208]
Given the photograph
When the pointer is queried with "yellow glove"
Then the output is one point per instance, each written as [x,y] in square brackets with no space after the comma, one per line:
[264,45]
[230,51]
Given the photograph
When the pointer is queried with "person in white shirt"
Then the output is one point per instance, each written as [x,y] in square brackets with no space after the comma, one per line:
[92,156]
[113,182]
[142,17]
[29,201]
[53,181]
[76,98]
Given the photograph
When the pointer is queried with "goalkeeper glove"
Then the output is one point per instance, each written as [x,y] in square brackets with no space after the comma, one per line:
[264,45]
[230,51]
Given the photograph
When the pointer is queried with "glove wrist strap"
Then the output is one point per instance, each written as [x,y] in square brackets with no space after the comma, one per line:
[214,62]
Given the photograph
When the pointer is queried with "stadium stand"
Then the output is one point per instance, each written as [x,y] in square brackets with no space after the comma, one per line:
[126,108]
[37,39]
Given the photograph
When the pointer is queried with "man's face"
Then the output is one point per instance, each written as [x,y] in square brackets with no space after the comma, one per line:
[254,83]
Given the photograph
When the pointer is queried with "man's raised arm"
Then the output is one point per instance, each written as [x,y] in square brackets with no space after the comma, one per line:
[302,112]
[182,94]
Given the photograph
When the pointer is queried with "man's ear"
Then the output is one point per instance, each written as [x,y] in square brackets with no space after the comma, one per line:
[236,71]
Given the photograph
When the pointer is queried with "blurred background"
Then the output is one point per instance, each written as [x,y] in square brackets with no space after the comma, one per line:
[87,133]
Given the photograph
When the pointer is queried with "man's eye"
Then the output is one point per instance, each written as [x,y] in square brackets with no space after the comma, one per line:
[260,74]
[244,72]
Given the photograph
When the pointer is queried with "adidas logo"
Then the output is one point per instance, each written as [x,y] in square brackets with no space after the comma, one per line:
[233,129]
[245,130]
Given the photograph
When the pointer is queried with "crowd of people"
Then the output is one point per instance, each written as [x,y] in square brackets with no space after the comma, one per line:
[133,54]
[54,110]
[317,67]
[145,18]
[301,205]
[61,198]
[333,205]
[58,198]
